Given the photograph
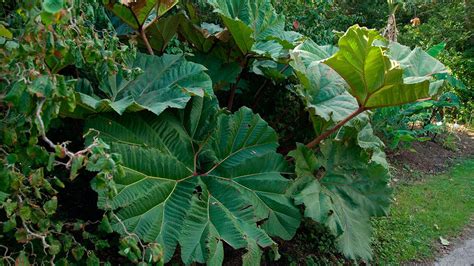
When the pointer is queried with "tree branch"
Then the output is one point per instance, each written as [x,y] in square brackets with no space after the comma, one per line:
[326,134]
[63,146]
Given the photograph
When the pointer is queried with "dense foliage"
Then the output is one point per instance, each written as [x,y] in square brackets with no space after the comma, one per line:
[136,100]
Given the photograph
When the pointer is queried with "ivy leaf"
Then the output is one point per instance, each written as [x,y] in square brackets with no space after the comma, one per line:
[51,205]
[78,252]
[22,259]
[374,79]
[53,6]
[199,178]
[167,81]
[345,195]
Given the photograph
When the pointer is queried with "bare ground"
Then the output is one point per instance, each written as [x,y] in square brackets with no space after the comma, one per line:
[431,157]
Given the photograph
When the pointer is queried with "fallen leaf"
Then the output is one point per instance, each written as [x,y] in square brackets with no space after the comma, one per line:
[443,241]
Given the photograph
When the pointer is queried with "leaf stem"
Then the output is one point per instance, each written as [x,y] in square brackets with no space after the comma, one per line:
[230,102]
[326,134]
[145,40]
[259,91]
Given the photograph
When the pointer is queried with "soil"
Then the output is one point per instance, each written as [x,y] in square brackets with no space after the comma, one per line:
[431,157]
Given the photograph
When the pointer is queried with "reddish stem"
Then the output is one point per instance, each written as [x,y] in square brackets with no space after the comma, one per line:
[326,134]
[145,40]
[230,102]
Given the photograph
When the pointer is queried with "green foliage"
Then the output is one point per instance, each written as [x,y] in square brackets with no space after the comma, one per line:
[136,13]
[35,90]
[167,81]
[323,89]
[198,179]
[449,23]
[345,209]
[318,19]
[420,121]
[375,80]
[170,167]
[255,26]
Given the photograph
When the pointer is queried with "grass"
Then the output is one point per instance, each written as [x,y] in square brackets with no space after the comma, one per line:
[440,206]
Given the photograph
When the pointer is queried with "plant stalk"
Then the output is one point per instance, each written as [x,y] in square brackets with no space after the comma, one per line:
[326,134]
[145,40]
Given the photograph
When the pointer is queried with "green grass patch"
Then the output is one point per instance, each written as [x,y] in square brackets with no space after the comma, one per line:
[440,206]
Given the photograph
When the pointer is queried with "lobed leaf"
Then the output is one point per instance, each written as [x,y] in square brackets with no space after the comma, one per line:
[374,79]
[167,81]
[199,179]
[344,195]
[418,64]
[255,26]
[322,89]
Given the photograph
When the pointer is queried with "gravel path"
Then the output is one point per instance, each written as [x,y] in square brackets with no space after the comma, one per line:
[462,254]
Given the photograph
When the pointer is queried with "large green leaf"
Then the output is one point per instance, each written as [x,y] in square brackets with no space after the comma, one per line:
[255,26]
[343,194]
[135,13]
[199,180]
[249,21]
[418,64]
[374,79]
[162,31]
[205,36]
[322,89]
[167,81]
[221,73]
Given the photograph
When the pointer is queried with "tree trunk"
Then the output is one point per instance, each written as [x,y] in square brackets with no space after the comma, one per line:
[391,31]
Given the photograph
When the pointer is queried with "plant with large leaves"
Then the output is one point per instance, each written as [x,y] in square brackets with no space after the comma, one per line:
[166,81]
[346,182]
[321,88]
[141,15]
[342,188]
[199,178]
[256,27]
[372,78]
